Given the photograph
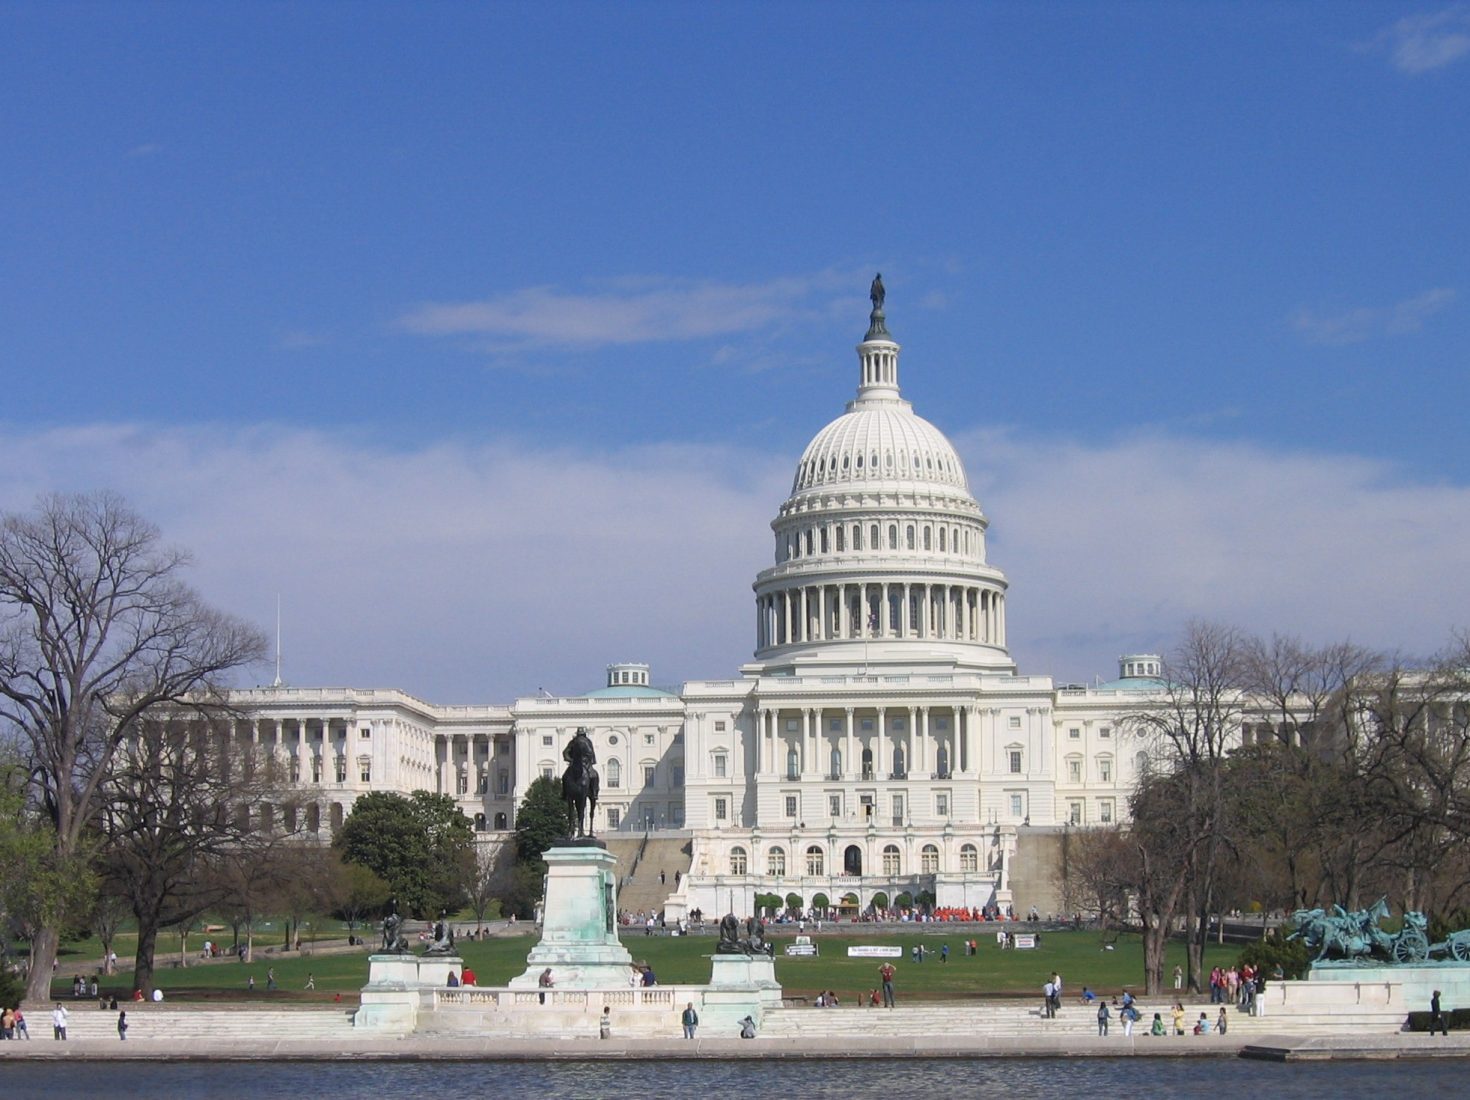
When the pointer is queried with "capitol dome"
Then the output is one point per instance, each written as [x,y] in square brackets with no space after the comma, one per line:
[880,548]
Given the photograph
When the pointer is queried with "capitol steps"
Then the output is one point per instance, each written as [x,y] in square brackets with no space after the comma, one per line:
[643,892]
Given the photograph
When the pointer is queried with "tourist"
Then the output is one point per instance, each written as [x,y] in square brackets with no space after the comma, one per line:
[1102,1018]
[1202,1026]
[604,1026]
[310,980]
[467,977]
[1436,1017]
[1129,1014]
[122,1025]
[1157,1027]
[157,995]
[1177,1012]
[944,952]
[543,983]
[92,989]
[747,1028]
[249,985]
[138,994]
[1220,1024]
[58,1021]
[270,979]
[885,980]
[648,978]
[7,1024]
[453,980]
[1178,977]
[21,1031]
[1088,996]
[112,1004]
[1048,1006]
[873,1001]
[690,1020]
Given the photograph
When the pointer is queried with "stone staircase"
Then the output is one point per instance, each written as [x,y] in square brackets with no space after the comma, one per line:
[1013,1018]
[195,1027]
[643,892]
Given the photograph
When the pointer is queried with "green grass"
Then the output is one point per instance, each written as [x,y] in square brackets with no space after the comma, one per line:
[1077,956]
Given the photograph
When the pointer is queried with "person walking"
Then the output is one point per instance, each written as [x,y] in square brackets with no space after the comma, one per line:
[58,1022]
[690,1020]
[604,1025]
[310,980]
[1103,1016]
[885,975]
[21,1031]
[270,979]
[122,1025]
[1178,977]
[1048,1002]
[1220,1024]
[1436,1017]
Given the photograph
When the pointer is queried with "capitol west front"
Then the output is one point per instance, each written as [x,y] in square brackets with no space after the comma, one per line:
[879,747]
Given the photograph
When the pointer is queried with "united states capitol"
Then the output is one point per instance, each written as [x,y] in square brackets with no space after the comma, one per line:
[880,748]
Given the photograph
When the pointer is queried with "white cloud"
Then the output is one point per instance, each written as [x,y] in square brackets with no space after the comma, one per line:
[1422,43]
[633,310]
[1353,326]
[476,573]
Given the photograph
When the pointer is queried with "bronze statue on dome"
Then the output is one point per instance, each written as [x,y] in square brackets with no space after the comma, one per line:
[876,293]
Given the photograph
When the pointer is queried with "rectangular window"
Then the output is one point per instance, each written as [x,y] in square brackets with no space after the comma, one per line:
[834,725]
[791,725]
[464,784]
[898,809]
[316,769]
[1074,770]
[1014,721]
[1015,761]
[614,817]
[1017,806]
[1105,732]
[791,805]
[546,773]
[648,775]
[341,770]
[941,724]
[1105,811]
[1075,733]
[365,773]
[941,805]
[547,739]
[898,725]
[719,765]
[648,738]
[834,805]
[502,748]
[1105,770]
[720,726]
[502,783]
[867,723]
[1074,812]
[365,731]
[722,809]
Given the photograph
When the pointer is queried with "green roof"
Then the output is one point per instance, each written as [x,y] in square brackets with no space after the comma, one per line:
[629,691]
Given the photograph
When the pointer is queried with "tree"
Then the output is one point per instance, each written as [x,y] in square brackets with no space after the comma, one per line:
[96,630]
[107,918]
[541,820]
[356,892]
[482,881]
[416,845]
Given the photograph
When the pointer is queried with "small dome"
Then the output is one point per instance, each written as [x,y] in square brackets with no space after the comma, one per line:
[880,442]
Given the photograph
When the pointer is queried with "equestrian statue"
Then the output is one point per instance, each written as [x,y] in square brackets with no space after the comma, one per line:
[579,784]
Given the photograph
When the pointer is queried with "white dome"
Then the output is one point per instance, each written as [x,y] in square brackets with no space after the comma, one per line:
[880,443]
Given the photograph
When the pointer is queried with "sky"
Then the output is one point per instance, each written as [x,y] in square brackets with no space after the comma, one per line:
[488,336]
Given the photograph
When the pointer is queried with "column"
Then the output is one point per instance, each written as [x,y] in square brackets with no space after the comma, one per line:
[851,766]
[803,758]
[883,611]
[882,760]
[923,752]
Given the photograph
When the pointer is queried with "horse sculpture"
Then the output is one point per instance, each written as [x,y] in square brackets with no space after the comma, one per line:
[1356,935]
[579,784]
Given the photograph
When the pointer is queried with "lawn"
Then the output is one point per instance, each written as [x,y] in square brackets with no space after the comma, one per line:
[1077,956]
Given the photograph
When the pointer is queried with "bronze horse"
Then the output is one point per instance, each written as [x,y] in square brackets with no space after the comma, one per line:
[579,784]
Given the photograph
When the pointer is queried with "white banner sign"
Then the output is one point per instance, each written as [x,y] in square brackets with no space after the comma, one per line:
[1023,941]
[801,949]
[870,951]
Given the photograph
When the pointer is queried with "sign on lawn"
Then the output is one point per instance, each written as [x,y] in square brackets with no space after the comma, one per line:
[1023,941]
[874,951]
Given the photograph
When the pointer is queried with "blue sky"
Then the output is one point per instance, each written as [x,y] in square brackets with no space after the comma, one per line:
[490,335]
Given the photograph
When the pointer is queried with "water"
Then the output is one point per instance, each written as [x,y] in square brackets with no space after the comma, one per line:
[847,1080]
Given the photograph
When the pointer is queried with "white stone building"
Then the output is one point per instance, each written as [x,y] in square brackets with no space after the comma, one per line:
[880,743]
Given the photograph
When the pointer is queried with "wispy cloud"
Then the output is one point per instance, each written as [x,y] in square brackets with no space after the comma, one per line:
[1353,326]
[147,149]
[633,310]
[298,339]
[454,571]
[1422,43]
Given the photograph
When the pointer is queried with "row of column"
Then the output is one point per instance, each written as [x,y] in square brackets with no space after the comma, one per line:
[452,765]
[955,752]
[886,609]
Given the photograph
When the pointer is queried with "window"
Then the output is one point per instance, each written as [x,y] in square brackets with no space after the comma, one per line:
[546,739]
[648,773]
[614,817]
[614,774]
[1018,807]
[841,533]
[1074,769]
[719,765]
[365,731]
[909,537]
[547,771]
[1105,768]
[737,861]
[365,771]
[941,804]
[1075,733]
[1105,811]
[1074,812]
[834,805]
[464,783]
[791,805]
[295,769]
[815,861]
[893,536]
[929,860]
[316,769]
[776,861]
[857,537]
[1015,760]
[792,764]
[341,770]
[969,858]
[1105,733]
[891,860]
[834,725]
[720,725]
[678,775]
[648,738]
[502,782]
[722,809]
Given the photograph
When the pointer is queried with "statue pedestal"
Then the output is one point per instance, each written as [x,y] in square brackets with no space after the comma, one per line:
[739,986]
[396,984]
[579,929]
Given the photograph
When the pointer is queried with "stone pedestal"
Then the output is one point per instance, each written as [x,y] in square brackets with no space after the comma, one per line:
[1405,987]
[396,985]
[579,929]
[739,986]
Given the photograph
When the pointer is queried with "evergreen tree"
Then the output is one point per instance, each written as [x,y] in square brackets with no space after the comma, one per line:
[540,823]
[418,845]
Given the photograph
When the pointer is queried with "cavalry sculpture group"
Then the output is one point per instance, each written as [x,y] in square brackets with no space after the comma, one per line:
[1338,934]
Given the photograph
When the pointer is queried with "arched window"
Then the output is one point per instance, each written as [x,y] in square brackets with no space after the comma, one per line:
[928,538]
[313,818]
[857,536]
[793,766]
[969,858]
[941,761]
[941,540]
[841,534]
[891,860]
[867,763]
[500,821]
[809,542]
[334,816]
[1140,763]
[898,762]
[614,773]
[852,860]
[873,537]
[737,860]
[776,861]
[834,761]
[908,536]
[893,536]
[479,823]
[816,862]
[929,860]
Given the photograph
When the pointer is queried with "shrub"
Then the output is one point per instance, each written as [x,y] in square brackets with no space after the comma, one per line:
[1273,950]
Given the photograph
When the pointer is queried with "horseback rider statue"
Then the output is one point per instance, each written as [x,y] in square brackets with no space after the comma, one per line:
[579,784]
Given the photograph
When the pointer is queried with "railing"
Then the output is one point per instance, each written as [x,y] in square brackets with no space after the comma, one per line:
[658,997]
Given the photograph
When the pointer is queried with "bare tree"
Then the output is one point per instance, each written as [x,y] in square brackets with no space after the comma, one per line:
[96,630]
[482,881]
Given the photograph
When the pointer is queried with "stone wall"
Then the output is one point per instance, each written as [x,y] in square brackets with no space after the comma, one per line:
[1035,872]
